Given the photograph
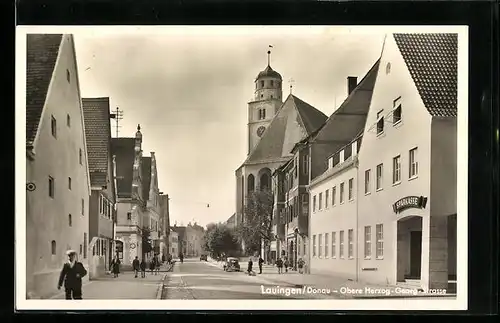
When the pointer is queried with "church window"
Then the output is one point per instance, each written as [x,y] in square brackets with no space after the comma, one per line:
[263,113]
[261,83]
[251,183]
[53,247]
[272,83]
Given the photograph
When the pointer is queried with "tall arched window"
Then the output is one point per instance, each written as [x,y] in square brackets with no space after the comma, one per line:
[264,182]
[53,247]
[251,183]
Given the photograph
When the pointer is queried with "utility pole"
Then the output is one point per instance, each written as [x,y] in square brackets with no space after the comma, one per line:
[118,116]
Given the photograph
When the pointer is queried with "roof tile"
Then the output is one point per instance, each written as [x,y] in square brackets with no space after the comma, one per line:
[123,149]
[431,59]
[41,57]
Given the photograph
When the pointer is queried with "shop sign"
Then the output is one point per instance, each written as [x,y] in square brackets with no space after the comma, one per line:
[409,202]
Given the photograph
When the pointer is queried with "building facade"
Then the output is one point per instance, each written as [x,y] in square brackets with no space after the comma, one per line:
[131,212]
[409,145]
[181,240]
[173,243]
[194,240]
[151,198]
[57,176]
[102,179]
[164,225]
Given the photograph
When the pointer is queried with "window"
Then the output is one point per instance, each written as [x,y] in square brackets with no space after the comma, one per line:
[304,246]
[68,120]
[69,183]
[396,110]
[305,164]
[53,126]
[396,169]
[367,181]
[85,245]
[314,245]
[81,249]
[53,247]
[351,184]
[334,193]
[314,203]
[330,163]
[271,96]
[413,171]
[83,207]
[80,156]
[350,250]
[341,156]
[368,242]
[272,83]
[320,245]
[327,198]
[326,244]
[70,220]
[261,83]
[320,201]
[68,76]
[380,122]
[51,187]
[263,113]
[101,204]
[380,241]
[341,193]
[380,169]
[341,245]
[334,254]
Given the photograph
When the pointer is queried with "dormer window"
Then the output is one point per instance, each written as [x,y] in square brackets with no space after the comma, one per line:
[354,148]
[380,122]
[330,162]
[396,113]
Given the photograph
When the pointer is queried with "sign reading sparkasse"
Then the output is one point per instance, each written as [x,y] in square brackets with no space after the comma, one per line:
[409,202]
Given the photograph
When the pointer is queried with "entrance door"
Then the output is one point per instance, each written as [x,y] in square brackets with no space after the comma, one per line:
[415,254]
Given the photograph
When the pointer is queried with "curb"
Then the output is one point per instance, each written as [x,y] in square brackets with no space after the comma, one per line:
[159,292]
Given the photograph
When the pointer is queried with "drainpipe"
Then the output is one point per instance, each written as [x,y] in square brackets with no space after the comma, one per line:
[357,218]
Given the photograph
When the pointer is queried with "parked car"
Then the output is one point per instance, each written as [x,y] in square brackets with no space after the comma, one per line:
[203,258]
[232,264]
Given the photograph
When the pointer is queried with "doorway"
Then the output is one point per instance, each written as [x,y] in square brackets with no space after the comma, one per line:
[415,254]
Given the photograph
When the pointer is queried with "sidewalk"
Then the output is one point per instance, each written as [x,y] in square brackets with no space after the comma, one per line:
[125,286]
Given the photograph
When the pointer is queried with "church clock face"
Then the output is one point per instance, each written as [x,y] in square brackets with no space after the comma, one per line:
[260,131]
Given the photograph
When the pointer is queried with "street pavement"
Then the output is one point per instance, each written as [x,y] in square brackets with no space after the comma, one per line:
[195,279]
[125,286]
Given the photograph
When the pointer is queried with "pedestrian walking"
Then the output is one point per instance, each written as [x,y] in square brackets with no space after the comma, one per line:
[71,275]
[301,264]
[261,262]
[143,268]
[152,265]
[279,264]
[158,266]
[250,267]
[135,266]
[115,267]
[286,264]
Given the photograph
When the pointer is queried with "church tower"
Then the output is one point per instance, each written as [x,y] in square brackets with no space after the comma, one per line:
[267,100]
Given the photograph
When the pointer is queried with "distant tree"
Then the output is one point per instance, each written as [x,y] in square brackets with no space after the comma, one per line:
[147,246]
[219,239]
[256,227]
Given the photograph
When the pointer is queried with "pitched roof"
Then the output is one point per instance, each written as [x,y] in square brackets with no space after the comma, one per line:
[349,119]
[146,177]
[41,56]
[294,120]
[123,149]
[98,136]
[432,62]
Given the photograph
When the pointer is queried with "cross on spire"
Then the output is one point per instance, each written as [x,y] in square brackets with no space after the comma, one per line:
[269,56]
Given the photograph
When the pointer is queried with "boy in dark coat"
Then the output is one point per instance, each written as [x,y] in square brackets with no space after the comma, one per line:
[72,274]
[135,265]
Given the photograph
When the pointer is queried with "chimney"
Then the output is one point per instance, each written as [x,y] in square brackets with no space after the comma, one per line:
[352,82]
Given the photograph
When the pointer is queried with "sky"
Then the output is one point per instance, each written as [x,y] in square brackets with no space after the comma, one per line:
[188,88]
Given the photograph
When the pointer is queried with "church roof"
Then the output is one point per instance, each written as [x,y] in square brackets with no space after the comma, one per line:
[294,121]
[98,136]
[41,56]
[432,62]
[269,72]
